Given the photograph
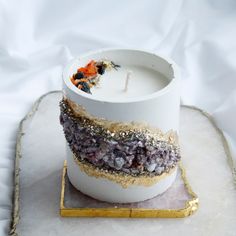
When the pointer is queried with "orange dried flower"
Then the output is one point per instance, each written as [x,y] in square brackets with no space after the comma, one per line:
[89,70]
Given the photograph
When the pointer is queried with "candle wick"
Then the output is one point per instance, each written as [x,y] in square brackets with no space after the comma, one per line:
[129,73]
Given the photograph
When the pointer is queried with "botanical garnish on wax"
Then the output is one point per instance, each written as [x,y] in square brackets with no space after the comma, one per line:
[89,76]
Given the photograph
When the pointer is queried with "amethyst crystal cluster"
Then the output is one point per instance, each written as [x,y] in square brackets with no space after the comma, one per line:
[131,152]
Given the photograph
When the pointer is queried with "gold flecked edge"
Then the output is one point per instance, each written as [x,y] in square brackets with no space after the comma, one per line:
[125,180]
[117,128]
[191,205]
[18,155]
[228,153]
[16,196]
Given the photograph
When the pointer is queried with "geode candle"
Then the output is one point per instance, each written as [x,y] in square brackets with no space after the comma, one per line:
[120,115]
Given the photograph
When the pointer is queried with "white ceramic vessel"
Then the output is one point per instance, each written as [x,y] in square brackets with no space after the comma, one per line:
[159,109]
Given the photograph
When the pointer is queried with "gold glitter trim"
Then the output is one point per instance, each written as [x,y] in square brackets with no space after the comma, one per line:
[122,128]
[125,180]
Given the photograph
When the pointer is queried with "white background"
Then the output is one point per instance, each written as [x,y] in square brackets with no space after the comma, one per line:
[37,38]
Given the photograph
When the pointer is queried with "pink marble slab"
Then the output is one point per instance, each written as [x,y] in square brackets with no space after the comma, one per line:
[174,198]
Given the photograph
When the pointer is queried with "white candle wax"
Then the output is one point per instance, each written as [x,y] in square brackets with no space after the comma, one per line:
[143,81]
[152,96]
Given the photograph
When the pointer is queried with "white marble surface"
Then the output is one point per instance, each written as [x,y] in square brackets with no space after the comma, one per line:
[203,157]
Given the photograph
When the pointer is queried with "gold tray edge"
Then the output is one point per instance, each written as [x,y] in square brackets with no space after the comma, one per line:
[191,206]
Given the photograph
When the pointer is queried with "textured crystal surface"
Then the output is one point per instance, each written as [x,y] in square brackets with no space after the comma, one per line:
[133,154]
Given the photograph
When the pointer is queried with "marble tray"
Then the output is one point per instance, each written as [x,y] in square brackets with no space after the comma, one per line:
[40,154]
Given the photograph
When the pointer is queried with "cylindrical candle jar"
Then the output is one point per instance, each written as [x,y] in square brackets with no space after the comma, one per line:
[139,133]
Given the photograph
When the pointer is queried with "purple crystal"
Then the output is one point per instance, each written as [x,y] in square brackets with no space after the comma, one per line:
[132,156]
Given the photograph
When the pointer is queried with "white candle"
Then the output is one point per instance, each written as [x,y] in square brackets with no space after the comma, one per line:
[152,96]
[144,81]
